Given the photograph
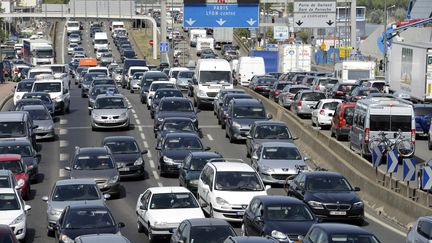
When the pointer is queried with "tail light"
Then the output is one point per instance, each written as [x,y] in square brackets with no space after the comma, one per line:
[276,92]
[413,135]
[291,96]
[342,122]
[357,97]
[339,92]
[322,112]
[366,137]
[259,86]
[317,88]
[299,103]
[16,70]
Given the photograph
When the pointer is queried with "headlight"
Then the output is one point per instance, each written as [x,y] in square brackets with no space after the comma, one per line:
[66,239]
[316,205]
[265,169]
[139,161]
[222,201]
[18,97]
[193,182]
[160,119]
[160,224]
[168,160]
[18,219]
[202,93]
[58,99]
[358,204]
[21,182]
[236,125]
[124,114]
[55,212]
[278,235]
[114,179]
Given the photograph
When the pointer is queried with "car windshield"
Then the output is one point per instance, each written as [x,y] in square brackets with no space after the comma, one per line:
[138,75]
[339,238]
[238,181]
[176,105]
[295,212]
[155,78]
[266,80]
[13,165]
[313,96]
[345,87]
[271,132]
[79,192]
[296,90]
[102,81]
[88,219]
[181,143]
[183,74]
[366,92]
[281,153]
[39,114]
[213,233]
[93,162]
[47,87]
[215,77]
[168,93]
[197,164]
[178,126]
[249,112]
[173,200]
[58,69]
[9,201]
[23,150]
[123,147]
[12,129]
[157,86]
[24,86]
[330,105]
[5,182]
[110,103]
[328,184]
[104,90]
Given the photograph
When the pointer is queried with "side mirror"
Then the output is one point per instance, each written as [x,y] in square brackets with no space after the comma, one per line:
[269,116]
[249,136]
[90,108]
[158,148]
[45,198]
[203,205]
[255,157]
[145,151]
[27,208]
[207,148]
[172,80]
[106,196]
[295,138]
[197,110]
[267,187]
[67,168]
[121,225]
[356,189]
[142,207]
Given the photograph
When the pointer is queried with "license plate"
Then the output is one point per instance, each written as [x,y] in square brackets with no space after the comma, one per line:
[111,121]
[124,169]
[337,213]
[330,114]
[214,87]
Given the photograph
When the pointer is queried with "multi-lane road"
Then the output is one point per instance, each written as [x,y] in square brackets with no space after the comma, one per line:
[74,129]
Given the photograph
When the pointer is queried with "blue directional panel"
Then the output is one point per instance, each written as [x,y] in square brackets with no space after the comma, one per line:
[409,169]
[221,15]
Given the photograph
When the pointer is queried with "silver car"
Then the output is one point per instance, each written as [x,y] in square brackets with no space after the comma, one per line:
[305,101]
[276,162]
[420,231]
[110,111]
[135,83]
[287,94]
[71,192]
[42,120]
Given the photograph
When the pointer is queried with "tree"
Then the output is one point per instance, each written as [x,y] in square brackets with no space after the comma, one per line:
[376,16]
[399,14]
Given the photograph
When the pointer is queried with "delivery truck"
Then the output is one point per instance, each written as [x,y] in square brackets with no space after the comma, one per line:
[270,59]
[223,36]
[352,70]
[38,52]
[409,69]
[294,57]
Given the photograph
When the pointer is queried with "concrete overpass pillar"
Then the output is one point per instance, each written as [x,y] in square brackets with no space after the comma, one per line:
[163,27]
[354,24]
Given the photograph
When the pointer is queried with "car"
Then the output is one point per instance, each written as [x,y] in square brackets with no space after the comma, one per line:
[359,93]
[147,79]
[183,78]
[329,195]
[127,154]
[378,84]
[322,113]
[304,102]
[242,113]
[71,192]
[42,120]
[340,90]
[21,88]
[29,156]
[98,90]
[159,95]
[334,232]
[430,136]
[96,163]
[192,166]
[277,162]
[250,239]
[225,189]
[177,124]
[25,102]
[135,82]
[174,107]
[423,115]
[262,84]
[277,88]
[323,83]
[420,231]
[342,120]
[160,210]
[110,111]
[287,94]
[71,48]
[218,101]
[74,38]
[7,234]
[154,86]
[284,218]
[87,80]
[267,131]
[77,220]
[14,163]
[14,212]
[173,149]
[222,112]
[106,238]
[44,97]
[202,230]
[8,180]
[100,52]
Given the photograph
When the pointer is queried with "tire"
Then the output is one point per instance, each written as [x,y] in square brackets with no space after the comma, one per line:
[231,139]
[429,144]
[68,108]
[211,214]
[338,137]
[142,100]
[50,233]
[131,91]
[195,103]
[140,227]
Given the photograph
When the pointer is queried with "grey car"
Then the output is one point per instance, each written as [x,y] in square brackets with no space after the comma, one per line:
[42,120]
[100,89]
[44,97]
[71,192]
[96,163]
[217,102]
[420,232]
[305,101]
[277,162]
[110,111]
[287,94]
[183,79]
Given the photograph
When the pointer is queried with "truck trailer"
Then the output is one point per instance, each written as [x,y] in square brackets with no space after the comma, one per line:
[38,52]
[223,36]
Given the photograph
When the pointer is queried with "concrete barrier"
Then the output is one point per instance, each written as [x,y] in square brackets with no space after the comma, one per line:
[333,155]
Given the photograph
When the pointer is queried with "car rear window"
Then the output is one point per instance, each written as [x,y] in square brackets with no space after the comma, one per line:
[330,105]
[390,123]
[313,96]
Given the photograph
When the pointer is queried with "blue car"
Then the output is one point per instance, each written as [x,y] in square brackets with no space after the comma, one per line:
[423,115]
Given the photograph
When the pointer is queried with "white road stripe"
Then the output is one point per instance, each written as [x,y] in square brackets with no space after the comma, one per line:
[135,116]
[149,154]
[160,184]
[209,137]
[133,111]
[63,131]
[140,129]
[155,174]
[145,144]
[142,136]
[64,143]
[63,121]
[137,121]
[64,157]
[152,165]
[385,225]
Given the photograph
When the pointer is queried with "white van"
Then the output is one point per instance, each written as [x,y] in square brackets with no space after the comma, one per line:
[380,114]
[194,34]
[211,75]
[58,92]
[100,41]
[99,70]
[72,26]
[351,71]
[247,67]
[116,24]
[60,71]
[204,43]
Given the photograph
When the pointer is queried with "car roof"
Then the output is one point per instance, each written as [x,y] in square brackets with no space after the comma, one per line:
[232,166]
[207,222]
[247,102]
[278,144]
[322,174]
[169,189]
[338,228]
[12,115]
[109,96]
[252,239]
[93,150]
[119,138]
[7,190]
[33,107]
[162,82]
[13,141]
[167,89]
[88,205]
[75,182]
[176,118]
[181,134]
[205,154]
[270,122]
[4,157]
[176,99]
[278,199]
[106,238]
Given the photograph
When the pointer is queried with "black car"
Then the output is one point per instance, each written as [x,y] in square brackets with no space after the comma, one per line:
[77,220]
[329,195]
[127,154]
[147,79]
[174,107]
[192,166]
[262,84]
[128,53]
[359,93]
[222,112]
[283,218]
[202,230]
[24,102]
[177,124]
[44,97]
[331,232]
[219,97]
[340,90]
[100,89]
[173,149]
[163,93]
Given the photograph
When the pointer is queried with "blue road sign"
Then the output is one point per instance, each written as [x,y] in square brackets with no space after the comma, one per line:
[392,161]
[221,15]
[291,52]
[163,47]
[426,178]
[409,169]
[377,155]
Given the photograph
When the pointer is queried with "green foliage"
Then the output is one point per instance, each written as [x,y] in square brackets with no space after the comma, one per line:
[304,35]
[399,14]
[379,4]
[242,32]
[376,16]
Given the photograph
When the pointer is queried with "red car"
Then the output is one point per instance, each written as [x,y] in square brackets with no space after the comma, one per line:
[342,120]
[14,163]
[6,234]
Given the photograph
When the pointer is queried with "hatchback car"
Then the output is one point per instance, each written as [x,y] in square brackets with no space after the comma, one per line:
[13,211]
[177,124]
[342,120]
[277,88]
[29,156]
[110,111]
[14,163]
[359,93]
[202,230]
[222,111]
[174,107]
[71,192]
[154,86]
[147,79]
[42,120]
[262,84]
[127,154]
[44,97]
[286,96]
[218,101]
[135,82]
[323,83]
[163,93]
[98,90]
[340,90]
[322,113]
[333,232]
[304,102]
[96,163]
[183,78]
[87,81]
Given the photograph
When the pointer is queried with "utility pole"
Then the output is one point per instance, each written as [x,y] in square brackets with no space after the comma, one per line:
[354,24]
[163,27]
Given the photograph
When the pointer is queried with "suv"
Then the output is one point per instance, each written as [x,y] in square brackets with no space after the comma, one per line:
[242,113]
[226,189]
[110,111]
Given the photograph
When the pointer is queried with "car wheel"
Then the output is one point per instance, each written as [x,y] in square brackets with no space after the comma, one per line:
[50,233]
[429,143]
[68,108]
[362,152]
[219,122]
[223,125]
[140,227]
[211,212]
[131,91]
[231,138]
[195,103]
[142,100]
[247,153]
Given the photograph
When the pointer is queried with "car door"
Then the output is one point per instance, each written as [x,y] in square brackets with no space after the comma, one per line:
[297,187]
[249,139]
[257,223]
[143,206]
[177,236]
[208,193]
[201,184]
[59,225]
[184,170]
[315,111]
[249,216]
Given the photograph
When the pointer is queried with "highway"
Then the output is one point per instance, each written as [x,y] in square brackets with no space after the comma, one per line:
[74,129]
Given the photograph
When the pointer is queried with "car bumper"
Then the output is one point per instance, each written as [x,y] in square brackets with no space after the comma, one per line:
[276,178]
[110,188]
[118,123]
[350,214]
[52,220]
[228,214]
[131,171]
[183,86]
[19,229]
[343,131]
[45,134]
[324,120]
[163,232]
[206,100]
[240,134]
[170,168]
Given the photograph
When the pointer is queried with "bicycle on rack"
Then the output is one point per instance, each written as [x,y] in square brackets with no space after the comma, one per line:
[404,146]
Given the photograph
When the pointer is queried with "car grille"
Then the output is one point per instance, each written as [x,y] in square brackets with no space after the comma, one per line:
[239,207]
[282,176]
[212,94]
[113,117]
[100,181]
[337,206]
[293,237]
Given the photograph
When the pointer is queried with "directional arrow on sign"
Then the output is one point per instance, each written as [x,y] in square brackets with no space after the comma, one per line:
[409,169]
[220,21]
[299,23]
[426,178]
[190,21]
[251,22]
[392,161]
[329,23]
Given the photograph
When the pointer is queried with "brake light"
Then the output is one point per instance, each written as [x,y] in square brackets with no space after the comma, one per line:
[342,122]
[299,103]
[276,92]
[259,86]
[339,92]
[413,135]
[322,112]
[366,137]
[317,88]
[358,97]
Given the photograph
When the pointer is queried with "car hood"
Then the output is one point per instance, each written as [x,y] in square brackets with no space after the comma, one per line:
[94,174]
[165,132]
[73,233]
[247,122]
[60,205]
[109,112]
[165,114]
[175,154]
[175,216]
[126,158]
[288,227]
[238,197]
[183,80]
[43,123]
[7,216]
[279,164]
[348,197]
[283,140]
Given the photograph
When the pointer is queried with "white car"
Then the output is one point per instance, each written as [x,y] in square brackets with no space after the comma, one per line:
[100,52]
[20,89]
[226,189]
[155,86]
[160,210]
[430,137]
[322,113]
[71,47]
[13,211]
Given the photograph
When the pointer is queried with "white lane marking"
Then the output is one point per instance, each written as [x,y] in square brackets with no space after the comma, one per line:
[62,173]
[140,129]
[64,157]
[145,144]
[133,111]
[137,121]
[152,165]
[149,153]
[155,174]
[63,131]
[209,137]
[63,121]
[64,143]
[160,184]
[383,224]
[142,136]
[135,116]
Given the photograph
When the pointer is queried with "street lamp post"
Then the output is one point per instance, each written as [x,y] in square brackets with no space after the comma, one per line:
[386,9]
